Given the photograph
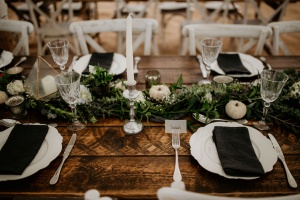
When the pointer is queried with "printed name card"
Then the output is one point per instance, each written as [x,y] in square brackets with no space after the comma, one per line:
[174,125]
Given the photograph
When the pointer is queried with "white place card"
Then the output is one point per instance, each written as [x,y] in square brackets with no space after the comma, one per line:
[174,125]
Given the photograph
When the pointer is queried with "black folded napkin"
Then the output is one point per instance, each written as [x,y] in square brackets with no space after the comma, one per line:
[1,50]
[21,147]
[231,64]
[103,60]
[236,152]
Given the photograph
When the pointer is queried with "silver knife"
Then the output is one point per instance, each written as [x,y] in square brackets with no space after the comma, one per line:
[202,67]
[67,152]
[280,155]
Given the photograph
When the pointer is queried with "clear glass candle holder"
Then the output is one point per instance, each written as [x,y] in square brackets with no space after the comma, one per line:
[152,77]
[16,104]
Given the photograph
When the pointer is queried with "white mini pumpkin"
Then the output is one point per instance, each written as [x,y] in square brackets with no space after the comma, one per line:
[3,97]
[235,109]
[159,92]
[295,90]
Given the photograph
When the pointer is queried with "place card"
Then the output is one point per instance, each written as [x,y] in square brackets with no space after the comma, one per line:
[174,125]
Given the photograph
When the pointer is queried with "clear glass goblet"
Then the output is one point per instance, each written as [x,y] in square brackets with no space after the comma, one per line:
[69,88]
[60,52]
[210,49]
[271,84]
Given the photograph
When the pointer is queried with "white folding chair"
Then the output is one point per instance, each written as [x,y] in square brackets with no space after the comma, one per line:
[22,29]
[175,8]
[143,29]
[21,9]
[138,10]
[50,28]
[279,29]
[3,10]
[83,10]
[248,36]
[168,193]
[75,7]
[262,18]
[225,9]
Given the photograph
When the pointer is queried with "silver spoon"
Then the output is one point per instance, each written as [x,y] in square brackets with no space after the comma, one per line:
[20,61]
[206,120]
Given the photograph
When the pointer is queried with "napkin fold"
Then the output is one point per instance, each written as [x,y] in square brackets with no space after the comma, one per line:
[103,60]
[231,64]
[21,147]
[236,152]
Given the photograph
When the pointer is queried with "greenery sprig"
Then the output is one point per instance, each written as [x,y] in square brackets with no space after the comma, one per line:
[210,100]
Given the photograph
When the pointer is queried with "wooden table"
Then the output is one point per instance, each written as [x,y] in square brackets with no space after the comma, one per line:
[136,166]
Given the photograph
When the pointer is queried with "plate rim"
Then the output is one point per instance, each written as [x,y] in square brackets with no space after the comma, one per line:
[258,63]
[54,143]
[195,144]
[6,60]
[116,58]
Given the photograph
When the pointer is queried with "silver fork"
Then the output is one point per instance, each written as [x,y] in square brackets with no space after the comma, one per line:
[176,144]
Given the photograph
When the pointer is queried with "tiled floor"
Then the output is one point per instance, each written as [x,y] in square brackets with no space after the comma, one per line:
[169,43]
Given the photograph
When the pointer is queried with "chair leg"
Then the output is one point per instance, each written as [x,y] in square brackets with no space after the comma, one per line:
[39,45]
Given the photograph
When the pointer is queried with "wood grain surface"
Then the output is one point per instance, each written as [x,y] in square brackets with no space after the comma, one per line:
[136,166]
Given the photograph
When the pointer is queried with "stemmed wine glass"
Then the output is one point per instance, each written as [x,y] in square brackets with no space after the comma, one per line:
[60,52]
[69,88]
[271,85]
[210,48]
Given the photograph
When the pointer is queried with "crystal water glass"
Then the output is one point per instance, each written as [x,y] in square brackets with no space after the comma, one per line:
[60,52]
[210,49]
[271,85]
[68,85]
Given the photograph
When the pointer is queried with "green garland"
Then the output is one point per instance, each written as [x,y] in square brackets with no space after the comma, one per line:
[210,100]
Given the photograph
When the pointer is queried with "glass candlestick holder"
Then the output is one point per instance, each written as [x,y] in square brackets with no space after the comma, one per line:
[132,126]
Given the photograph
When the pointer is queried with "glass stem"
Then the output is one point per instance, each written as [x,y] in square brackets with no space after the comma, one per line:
[265,110]
[207,67]
[62,67]
[74,112]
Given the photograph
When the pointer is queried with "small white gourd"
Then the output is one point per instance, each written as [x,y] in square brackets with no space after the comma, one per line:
[159,92]
[235,109]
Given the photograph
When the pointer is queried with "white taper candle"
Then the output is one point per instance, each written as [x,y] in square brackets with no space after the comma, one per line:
[129,53]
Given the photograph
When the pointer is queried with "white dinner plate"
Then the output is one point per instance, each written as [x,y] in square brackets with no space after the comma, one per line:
[118,65]
[6,58]
[204,150]
[50,149]
[254,66]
